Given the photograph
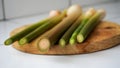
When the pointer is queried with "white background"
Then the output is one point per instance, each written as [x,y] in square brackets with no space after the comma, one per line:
[11,58]
[18,8]
[21,8]
[1,11]
[89,2]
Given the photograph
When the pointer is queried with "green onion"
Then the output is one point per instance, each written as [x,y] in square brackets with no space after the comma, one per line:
[90,25]
[85,18]
[22,33]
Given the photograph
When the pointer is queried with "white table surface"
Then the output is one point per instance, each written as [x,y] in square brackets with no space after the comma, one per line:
[11,58]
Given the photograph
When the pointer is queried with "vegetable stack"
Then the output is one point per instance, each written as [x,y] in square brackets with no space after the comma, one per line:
[69,27]
[34,30]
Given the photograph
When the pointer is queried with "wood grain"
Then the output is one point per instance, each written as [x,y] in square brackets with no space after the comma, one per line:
[106,35]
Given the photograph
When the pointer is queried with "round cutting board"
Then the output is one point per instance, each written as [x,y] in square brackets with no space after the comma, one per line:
[104,36]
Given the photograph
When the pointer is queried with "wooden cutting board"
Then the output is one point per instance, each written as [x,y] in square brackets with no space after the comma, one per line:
[106,35]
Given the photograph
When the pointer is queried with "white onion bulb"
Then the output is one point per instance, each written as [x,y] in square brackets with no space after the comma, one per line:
[74,9]
[54,13]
